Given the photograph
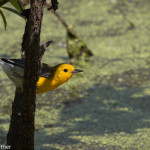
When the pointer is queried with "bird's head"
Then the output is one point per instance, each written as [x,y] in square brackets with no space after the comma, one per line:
[63,72]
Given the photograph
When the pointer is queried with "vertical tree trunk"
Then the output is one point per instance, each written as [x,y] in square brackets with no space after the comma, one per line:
[13,134]
[32,55]
[21,131]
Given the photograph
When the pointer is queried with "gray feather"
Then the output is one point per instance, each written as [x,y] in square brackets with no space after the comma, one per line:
[14,69]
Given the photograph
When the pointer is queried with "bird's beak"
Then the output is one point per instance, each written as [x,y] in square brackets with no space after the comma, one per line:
[76,71]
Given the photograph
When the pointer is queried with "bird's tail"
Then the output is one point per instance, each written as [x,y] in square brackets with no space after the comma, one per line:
[13,69]
[1,62]
[13,62]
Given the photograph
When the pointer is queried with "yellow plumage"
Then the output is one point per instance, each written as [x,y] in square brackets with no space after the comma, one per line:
[57,78]
[50,77]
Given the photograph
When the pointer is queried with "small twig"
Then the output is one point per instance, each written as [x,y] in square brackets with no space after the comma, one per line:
[48,5]
[53,5]
[43,48]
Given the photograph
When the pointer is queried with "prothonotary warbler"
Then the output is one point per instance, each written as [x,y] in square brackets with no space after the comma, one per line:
[49,79]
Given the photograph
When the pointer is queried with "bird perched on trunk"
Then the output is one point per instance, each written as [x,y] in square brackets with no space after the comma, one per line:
[49,78]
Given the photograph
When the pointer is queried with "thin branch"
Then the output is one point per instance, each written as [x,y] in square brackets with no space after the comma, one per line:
[48,5]
[44,47]
[54,5]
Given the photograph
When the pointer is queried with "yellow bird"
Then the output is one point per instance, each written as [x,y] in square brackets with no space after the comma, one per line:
[49,79]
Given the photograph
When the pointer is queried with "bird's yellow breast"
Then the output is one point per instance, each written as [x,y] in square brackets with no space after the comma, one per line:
[46,84]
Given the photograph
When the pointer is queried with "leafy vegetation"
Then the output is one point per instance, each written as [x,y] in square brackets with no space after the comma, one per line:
[106,107]
[15,3]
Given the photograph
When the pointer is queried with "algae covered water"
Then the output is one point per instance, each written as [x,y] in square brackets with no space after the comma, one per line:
[107,107]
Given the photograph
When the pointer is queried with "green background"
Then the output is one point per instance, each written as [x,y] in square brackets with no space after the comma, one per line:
[107,106]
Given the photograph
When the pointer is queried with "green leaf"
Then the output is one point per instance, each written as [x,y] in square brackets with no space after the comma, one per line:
[3,2]
[4,19]
[13,11]
[17,4]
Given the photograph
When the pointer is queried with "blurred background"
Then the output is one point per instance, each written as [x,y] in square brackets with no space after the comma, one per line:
[107,106]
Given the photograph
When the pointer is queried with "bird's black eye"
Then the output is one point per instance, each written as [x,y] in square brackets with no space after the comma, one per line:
[65,70]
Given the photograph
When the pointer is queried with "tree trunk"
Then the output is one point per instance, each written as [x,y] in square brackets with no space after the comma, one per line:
[13,134]
[21,131]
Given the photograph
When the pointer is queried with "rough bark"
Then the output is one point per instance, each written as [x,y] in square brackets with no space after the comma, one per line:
[21,131]
[13,134]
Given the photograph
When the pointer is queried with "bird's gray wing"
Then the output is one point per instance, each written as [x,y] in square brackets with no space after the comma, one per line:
[15,62]
[17,66]
[46,70]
